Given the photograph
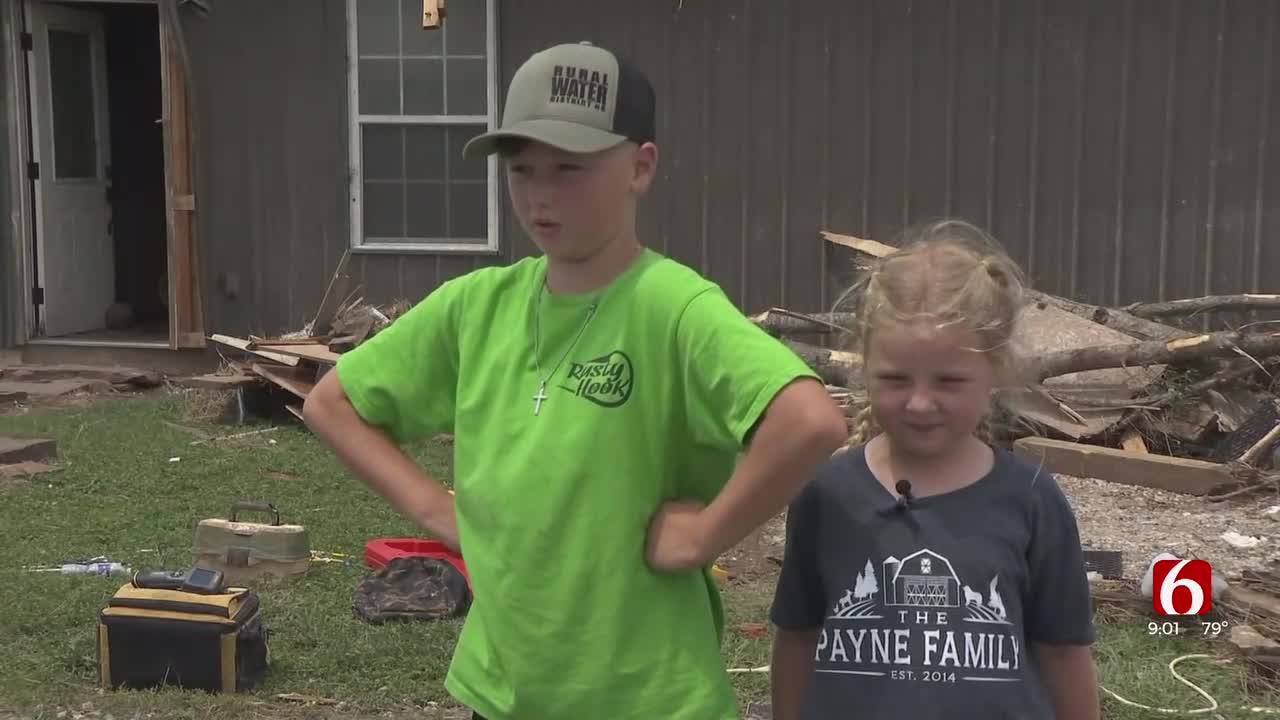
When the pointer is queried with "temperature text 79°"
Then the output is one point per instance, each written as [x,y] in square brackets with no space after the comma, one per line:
[1213,629]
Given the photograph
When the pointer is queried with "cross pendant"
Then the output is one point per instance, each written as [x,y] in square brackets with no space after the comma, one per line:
[537,399]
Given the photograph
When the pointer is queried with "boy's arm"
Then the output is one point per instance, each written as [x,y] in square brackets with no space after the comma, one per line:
[743,387]
[1059,617]
[370,453]
[397,386]
[1072,680]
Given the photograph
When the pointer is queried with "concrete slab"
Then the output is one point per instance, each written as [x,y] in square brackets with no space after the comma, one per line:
[18,450]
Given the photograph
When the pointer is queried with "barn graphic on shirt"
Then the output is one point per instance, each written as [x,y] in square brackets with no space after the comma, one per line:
[922,580]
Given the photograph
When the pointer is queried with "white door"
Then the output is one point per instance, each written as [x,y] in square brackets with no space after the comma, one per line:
[75,251]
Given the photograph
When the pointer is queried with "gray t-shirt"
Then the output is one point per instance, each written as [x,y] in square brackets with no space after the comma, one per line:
[929,610]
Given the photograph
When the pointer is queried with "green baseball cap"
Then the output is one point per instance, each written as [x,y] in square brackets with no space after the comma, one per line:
[577,97]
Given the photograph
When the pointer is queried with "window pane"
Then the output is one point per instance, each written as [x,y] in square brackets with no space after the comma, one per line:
[377,27]
[414,40]
[75,147]
[382,152]
[459,167]
[379,87]
[467,88]
[465,27]
[426,211]
[423,91]
[383,206]
[424,152]
[469,211]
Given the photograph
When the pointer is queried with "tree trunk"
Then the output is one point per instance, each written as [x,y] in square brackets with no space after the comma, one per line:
[835,367]
[1155,352]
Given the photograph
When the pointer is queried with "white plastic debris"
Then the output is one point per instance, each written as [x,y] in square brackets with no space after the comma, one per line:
[1235,539]
[1148,580]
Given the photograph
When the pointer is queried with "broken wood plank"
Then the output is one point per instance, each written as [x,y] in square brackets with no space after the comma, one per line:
[295,410]
[239,344]
[1253,602]
[25,469]
[292,379]
[316,353]
[1162,472]
[1252,643]
[219,382]
[16,450]
[256,342]
[1251,456]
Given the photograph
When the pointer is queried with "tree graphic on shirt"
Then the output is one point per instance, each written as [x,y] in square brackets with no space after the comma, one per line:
[866,585]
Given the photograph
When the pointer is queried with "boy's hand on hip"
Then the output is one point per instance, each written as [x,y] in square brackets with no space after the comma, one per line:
[677,537]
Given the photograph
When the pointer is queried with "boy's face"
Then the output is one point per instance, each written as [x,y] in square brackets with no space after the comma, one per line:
[928,390]
[574,205]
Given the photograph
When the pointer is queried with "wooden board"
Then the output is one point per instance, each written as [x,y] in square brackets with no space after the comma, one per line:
[239,344]
[1180,475]
[219,382]
[315,352]
[295,380]
[186,304]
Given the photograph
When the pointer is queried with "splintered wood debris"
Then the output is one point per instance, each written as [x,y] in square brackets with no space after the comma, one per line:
[295,361]
[1124,392]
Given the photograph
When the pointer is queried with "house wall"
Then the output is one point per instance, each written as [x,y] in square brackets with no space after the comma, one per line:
[1122,151]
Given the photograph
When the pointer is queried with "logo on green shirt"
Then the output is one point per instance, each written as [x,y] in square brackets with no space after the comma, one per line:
[605,380]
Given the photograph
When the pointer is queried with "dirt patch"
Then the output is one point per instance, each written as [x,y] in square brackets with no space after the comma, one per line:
[759,555]
[1141,523]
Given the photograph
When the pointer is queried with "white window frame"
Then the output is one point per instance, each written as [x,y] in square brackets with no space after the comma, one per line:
[356,170]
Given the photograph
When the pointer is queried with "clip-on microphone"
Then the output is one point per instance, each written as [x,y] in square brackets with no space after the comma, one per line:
[904,491]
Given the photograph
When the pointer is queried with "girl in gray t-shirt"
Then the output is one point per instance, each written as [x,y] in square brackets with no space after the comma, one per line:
[926,573]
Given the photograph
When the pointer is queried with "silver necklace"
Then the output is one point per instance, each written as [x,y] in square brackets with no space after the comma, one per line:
[537,335]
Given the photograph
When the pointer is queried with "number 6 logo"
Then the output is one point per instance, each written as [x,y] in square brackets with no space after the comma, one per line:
[1193,577]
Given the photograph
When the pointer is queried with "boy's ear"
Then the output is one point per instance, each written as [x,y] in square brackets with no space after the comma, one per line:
[644,167]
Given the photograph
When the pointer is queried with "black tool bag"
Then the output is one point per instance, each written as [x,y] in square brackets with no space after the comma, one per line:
[148,637]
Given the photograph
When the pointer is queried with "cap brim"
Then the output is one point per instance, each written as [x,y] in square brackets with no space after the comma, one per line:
[567,136]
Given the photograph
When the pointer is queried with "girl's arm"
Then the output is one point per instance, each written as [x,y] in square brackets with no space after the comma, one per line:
[791,669]
[1072,680]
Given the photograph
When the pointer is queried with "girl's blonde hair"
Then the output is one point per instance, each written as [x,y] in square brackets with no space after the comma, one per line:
[947,271]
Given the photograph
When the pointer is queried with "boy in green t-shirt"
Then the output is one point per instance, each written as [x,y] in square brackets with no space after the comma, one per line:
[599,396]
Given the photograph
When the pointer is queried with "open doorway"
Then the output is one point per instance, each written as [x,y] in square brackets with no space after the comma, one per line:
[98,176]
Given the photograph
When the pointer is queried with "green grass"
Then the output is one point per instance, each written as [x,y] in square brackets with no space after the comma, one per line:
[119,494]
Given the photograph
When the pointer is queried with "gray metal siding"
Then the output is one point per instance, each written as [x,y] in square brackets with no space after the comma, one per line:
[1123,151]
[269,109]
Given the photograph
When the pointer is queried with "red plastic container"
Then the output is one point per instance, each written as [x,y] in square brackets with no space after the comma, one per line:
[378,552]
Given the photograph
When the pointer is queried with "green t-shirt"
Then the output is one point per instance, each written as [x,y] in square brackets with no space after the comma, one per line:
[653,402]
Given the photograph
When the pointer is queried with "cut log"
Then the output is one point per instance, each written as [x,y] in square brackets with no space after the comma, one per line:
[1133,442]
[1155,352]
[835,367]
[1125,322]
[1162,472]
[1210,303]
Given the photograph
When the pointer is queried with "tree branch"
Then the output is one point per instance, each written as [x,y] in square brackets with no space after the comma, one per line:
[1210,303]
[1155,352]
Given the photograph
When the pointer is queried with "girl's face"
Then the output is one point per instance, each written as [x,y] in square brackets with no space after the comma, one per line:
[929,389]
